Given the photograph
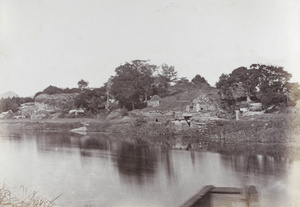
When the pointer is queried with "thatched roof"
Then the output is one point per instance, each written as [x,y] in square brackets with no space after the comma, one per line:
[155,98]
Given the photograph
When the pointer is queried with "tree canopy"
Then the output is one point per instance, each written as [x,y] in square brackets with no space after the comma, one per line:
[198,79]
[269,84]
[93,100]
[133,82]
[82,84]
[168,72]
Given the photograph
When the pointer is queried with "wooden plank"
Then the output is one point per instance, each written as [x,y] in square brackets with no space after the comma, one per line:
[253,197]
[226,190]
[202,198]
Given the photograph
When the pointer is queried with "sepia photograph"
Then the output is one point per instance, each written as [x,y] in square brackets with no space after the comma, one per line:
[150,103]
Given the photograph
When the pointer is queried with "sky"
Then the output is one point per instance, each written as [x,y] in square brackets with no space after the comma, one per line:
[59,42]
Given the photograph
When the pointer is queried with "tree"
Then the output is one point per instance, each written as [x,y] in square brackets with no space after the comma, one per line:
[273,78]
[269,84]
[132,82]
[183,84]
[92,100]
[246,80]
[169,72]
[198,80]
[13,103]
[226,92]
[82,84]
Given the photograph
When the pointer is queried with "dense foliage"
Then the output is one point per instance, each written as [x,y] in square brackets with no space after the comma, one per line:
[50,90]
[269,85]
[137,81]
[92,100]
[132,83]
[13,103]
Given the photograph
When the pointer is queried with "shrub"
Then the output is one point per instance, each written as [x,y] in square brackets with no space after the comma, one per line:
[124,112]
[139,121]
[32,199]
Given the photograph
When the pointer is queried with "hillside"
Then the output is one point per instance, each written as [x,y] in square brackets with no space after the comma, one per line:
[203,102]
[180,101]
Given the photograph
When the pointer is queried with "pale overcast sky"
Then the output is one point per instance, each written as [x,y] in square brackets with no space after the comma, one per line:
[59,42]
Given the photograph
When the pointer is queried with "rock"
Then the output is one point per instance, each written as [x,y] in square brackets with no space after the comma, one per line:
[40,115]
[6,115]
[55,102]
[80,129]
[114,114]
[27,110]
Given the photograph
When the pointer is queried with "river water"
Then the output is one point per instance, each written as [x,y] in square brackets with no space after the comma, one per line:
[98,170]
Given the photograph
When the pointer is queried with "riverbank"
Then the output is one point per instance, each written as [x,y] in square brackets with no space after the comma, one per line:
[265,128]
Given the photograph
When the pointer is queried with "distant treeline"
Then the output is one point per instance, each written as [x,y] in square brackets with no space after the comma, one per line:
[137,81]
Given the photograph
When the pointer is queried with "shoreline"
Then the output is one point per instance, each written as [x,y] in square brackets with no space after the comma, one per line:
[276,130]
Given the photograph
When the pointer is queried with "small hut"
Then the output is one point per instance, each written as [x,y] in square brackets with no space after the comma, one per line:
[154,101]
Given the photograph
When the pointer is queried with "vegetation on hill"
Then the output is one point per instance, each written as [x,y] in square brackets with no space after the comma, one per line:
[93,100]
[13,103]
[269,85]
[135,82]
[50,90]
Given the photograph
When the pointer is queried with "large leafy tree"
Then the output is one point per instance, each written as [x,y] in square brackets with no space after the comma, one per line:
[270,84]
[92,100]
[241,80]
[273,79]
[168,72]
[199,80]
[132,83]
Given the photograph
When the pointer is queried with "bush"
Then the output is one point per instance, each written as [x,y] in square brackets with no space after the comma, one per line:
[273,99]
[139,121]
[124,112]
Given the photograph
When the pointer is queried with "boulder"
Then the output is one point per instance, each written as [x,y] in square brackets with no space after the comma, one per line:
[116,114]
[40,115]
[6,114]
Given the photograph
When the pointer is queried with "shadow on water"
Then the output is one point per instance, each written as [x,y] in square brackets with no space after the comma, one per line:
[136,162]
[53,141]
[276,151]
[102,163]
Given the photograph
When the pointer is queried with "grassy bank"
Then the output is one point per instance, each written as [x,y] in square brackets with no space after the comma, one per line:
[40,125]
[266,128]
[277,128]
[8,198]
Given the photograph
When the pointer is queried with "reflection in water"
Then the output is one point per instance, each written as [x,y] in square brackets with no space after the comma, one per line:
[96,169]
[166,159]
[136,162]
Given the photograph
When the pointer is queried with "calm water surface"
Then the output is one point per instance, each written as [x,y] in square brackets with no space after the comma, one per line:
[98,170]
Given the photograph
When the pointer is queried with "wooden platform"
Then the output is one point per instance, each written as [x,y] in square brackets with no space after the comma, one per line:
[211,196]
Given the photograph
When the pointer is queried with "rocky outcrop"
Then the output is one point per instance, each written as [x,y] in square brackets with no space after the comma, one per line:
[56,102]
[48,106]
